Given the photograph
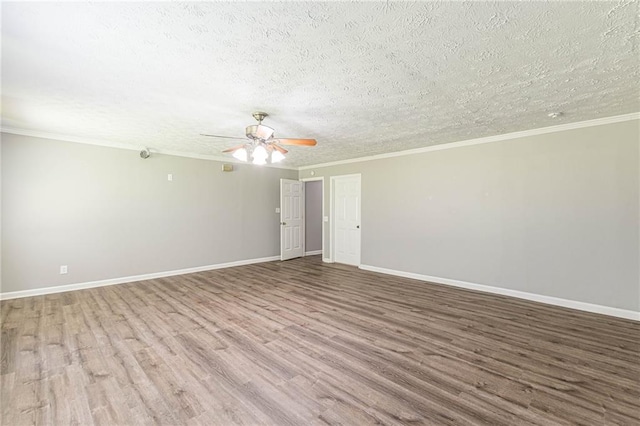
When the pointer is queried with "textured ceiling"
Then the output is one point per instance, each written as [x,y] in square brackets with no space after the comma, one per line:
[361,78]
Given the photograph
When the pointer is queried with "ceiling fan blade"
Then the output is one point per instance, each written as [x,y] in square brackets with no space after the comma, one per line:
[304,142]
[279,148]
[235,148]
[223,137]
[264,132]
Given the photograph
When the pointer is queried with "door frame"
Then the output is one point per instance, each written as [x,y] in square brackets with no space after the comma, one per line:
[311,179]
[332,226]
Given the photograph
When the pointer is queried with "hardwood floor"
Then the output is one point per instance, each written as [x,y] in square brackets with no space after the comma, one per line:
[302,342]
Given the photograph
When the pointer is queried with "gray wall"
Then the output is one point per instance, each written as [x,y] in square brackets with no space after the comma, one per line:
[313,215]
[554,214]
[106,213]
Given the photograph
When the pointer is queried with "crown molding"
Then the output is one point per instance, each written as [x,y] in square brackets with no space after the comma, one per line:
[488,139]
[439,147]
[109,144]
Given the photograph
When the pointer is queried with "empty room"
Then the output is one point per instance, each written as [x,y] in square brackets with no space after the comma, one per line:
[320,213]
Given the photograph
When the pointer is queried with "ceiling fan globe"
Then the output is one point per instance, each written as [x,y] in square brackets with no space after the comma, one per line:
[260,153]
[276,157]
[240,154]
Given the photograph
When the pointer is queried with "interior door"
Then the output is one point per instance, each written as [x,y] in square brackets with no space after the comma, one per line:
[291,219]
[346,217]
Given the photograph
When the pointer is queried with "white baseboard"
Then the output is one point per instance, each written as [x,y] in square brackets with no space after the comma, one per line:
[122,280]
[582,306]
[312,253]
[327,260]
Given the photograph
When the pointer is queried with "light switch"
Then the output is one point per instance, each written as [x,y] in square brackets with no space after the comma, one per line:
[326,218]
[277,209]
[170,177]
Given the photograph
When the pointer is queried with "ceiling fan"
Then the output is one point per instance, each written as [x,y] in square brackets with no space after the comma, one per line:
[262,144]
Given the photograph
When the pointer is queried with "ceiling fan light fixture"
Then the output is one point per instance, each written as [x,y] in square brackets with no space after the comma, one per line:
[262,147]
[240,154]
[260,154]
[259,161]
[276,157]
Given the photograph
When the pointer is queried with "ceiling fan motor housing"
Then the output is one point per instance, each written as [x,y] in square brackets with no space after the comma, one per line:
[251,131]
[259,132]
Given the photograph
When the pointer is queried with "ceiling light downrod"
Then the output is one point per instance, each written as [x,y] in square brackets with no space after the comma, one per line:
[259,116]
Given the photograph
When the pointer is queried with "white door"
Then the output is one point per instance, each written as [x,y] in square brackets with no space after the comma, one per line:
[346,219]
[291,219]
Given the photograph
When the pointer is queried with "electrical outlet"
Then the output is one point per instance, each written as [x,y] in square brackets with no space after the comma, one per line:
[277,209]
[63,269]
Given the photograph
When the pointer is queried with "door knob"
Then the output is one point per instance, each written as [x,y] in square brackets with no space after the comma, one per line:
[283,223]
[358,226]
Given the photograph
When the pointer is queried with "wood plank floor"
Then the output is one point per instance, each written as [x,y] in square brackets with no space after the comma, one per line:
[303,343]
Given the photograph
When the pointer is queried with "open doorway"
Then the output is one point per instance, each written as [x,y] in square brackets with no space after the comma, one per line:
[313,217]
